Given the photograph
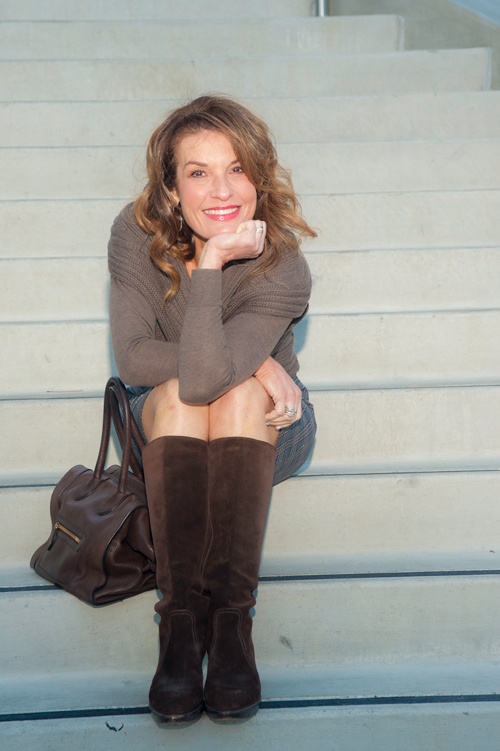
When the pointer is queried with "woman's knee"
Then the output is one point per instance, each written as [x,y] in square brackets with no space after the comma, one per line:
[241,412]
[165,414]
[161,400]
[166,394]
[249,395]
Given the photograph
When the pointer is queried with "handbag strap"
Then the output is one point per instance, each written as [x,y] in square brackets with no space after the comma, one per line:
[117,417]
[115,392]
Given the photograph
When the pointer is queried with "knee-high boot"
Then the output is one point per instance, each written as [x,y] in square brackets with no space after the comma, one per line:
[176,474]
[241,473]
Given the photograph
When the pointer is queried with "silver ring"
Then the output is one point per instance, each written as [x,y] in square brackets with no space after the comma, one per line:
[290,411]
[260,228]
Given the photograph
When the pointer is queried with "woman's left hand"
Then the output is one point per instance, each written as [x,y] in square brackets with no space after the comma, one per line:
[284,392]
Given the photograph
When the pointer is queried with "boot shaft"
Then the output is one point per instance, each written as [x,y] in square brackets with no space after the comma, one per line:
[241,472]
[176,474]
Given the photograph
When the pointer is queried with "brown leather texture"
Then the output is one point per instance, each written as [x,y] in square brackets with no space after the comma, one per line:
[100,548]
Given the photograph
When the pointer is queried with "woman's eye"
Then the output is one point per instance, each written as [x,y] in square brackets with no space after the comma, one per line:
[197,173]
[238,169]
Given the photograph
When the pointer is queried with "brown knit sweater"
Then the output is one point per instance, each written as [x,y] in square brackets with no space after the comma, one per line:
[215,332]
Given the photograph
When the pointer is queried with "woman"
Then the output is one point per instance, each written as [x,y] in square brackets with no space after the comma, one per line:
[207,283]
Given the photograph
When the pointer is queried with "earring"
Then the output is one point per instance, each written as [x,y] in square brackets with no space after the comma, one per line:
[181,220]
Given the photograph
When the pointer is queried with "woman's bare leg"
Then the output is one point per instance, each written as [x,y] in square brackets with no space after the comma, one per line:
[164,414]
[239,412]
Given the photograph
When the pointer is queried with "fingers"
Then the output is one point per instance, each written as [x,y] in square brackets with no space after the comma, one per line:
[278,412]
[256,228]
[287,410]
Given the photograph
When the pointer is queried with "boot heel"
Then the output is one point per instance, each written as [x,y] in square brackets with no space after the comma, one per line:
[176,719]
[237,714]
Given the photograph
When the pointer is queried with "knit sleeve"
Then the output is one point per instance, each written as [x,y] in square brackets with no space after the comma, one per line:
[141,359]
[215,357]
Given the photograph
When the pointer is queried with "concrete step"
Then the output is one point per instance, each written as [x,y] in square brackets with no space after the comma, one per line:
[335,351]
[146,40]
[441,219]
[357,621]
[459,726]
[374,281]
[392,280]
[359,431]
[377,118]
[338,524]
[344,685]
[397,350]
[463,726]
[19,577]
[305,75]
[150,10]
[359,167]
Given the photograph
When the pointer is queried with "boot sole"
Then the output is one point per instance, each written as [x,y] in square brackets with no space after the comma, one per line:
[176,719]
[236,714]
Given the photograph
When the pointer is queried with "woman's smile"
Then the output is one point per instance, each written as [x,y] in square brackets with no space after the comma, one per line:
[214,193]
[222,214]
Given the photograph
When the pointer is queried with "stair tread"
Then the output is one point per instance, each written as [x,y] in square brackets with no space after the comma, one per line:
[68,10]
[357,522]
[109,689]
[330,567]
[291,119]
[199,38]
[47,290]
[350,351]
[416,71]
[362,167]
[356,222]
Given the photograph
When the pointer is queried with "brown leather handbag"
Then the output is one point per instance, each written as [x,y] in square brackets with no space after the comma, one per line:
[100,548]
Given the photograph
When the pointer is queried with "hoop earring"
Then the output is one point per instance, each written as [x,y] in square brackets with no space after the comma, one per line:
[181,220]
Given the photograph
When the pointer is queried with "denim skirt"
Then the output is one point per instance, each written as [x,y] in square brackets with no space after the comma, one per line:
[295,442]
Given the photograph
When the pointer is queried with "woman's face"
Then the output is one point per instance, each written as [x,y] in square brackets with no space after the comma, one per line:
[215,194]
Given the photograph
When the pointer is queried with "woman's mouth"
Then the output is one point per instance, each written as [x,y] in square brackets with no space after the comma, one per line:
[222,213]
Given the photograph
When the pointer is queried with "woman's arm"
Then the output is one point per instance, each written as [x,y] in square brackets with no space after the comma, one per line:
[214,357]
[140,358]
[223,356]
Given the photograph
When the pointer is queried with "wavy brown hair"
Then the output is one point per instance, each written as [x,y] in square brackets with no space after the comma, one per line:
[156,211]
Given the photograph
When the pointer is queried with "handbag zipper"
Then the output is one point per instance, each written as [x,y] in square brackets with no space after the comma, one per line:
[67,532]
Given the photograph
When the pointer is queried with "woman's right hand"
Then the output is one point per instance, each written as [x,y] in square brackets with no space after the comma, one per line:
[283,391]
[246,242]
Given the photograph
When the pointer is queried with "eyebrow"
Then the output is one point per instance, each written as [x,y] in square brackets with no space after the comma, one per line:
[202,164]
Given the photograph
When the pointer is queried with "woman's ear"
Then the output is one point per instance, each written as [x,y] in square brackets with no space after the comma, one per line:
[175,197]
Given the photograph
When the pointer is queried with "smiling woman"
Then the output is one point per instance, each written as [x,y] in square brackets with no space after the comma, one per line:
[208,169]
[207,284]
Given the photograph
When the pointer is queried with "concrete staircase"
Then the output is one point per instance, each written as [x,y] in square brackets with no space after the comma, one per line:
[378,612]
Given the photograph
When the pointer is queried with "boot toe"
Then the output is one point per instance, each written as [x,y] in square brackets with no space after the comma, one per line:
[175,707]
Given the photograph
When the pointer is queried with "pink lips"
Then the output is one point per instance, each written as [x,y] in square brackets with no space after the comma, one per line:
[222,217]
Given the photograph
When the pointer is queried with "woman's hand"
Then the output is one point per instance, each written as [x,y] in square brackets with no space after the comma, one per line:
[246,242]
[283,391]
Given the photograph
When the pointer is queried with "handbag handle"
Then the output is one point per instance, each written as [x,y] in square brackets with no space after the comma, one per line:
[116,416]
[115,390]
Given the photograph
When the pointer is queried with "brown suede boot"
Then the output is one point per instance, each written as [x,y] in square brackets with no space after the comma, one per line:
[241,473]
[176,474]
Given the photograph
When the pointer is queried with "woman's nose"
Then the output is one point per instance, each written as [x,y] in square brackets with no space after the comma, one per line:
[221,188]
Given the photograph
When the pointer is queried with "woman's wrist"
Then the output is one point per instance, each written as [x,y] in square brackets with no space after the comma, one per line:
[209,258]
[264,367]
